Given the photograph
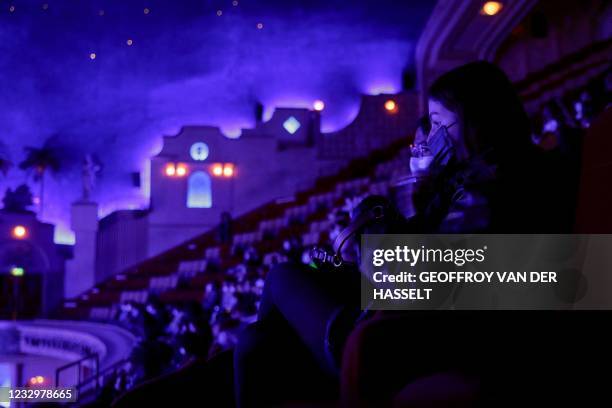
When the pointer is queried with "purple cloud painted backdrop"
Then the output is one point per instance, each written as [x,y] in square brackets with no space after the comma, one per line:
[186,65]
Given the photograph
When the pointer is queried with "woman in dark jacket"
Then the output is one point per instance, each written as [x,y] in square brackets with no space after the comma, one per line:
[486,173]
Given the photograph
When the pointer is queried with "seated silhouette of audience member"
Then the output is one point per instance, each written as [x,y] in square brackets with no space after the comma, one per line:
[225,228]
[563,120]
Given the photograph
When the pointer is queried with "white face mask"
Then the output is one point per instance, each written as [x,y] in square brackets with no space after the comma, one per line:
[550,126]
[420,164]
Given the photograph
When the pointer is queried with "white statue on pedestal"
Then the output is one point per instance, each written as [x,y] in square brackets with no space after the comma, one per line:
[91,168]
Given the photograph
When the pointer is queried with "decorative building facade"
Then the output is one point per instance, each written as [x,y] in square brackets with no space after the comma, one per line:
[200,174]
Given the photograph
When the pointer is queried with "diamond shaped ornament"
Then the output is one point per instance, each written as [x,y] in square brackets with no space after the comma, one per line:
[291,125]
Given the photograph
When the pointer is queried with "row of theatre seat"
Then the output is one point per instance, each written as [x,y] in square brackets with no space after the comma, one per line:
[565,76]
[304,215]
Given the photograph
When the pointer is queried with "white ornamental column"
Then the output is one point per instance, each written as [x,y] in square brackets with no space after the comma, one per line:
[81,270]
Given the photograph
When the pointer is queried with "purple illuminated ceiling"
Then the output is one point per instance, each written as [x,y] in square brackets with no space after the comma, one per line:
[184,64]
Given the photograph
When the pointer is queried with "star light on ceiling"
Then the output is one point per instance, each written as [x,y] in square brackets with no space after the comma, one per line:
[101,13]
[146,10]
[235,3]
[129,41]
[92,56]
[12,8]
[219,13]
[259,26]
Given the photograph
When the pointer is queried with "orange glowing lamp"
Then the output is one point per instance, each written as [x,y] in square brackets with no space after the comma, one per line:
[217,169]
[170,170]
[20,232]
[491,8]
[181,170]
[228,170]
[391,106]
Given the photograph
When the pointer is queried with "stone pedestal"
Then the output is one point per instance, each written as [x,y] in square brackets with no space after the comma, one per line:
[81,270]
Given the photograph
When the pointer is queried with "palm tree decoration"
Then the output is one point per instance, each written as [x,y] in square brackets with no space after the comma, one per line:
[5,162]
[40,161]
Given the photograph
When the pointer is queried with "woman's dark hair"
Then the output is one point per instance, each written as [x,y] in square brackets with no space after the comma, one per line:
[489,109]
